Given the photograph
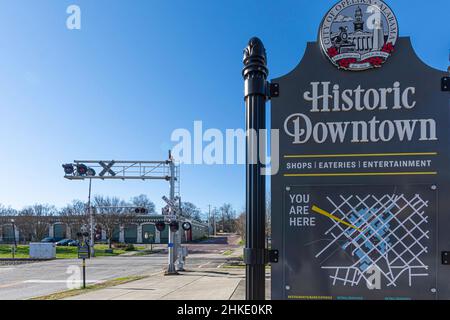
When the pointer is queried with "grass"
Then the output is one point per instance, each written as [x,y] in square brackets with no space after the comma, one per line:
[89,288]
[22,251]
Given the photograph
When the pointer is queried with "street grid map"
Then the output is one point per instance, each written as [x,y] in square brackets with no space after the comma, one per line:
[390,234]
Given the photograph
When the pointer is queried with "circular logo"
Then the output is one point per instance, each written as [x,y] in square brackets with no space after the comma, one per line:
[359,35]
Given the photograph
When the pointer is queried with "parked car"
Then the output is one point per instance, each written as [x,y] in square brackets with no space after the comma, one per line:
[73,243]
[63,242]
[49,239]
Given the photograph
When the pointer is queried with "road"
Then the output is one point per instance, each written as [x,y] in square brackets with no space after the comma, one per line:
[43,278]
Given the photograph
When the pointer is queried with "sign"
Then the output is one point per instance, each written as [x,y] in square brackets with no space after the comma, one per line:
[170,218]
[84,252]
[364,174]
[171,209]
[361,241]
[358,36]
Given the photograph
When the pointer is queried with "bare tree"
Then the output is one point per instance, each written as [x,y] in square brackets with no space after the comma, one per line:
[5,218]
[240,224]
[75,215]
[33,221]
[143,201]
[191,211]
[228,215]
[7,211]
[110,214]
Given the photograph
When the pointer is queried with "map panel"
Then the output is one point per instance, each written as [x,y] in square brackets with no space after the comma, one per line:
[360,242]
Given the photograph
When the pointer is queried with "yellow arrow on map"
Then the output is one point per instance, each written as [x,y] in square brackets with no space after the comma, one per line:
[329,215]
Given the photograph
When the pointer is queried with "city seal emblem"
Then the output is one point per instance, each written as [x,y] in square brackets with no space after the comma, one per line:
[358,35]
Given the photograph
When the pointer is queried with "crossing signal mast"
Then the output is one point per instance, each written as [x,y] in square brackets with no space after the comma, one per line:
[166,170]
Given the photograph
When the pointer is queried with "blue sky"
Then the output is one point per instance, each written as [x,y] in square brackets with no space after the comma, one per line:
[140,69]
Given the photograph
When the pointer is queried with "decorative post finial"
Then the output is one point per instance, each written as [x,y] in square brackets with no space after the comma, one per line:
[255,68]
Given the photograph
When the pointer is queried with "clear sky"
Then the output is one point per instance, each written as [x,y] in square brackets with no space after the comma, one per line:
[137,70]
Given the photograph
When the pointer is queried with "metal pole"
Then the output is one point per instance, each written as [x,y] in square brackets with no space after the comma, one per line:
[91,221]
[215,224]
[84,273]
[223,220]
[209,220]
[15,242]
[255,74]
[171,247]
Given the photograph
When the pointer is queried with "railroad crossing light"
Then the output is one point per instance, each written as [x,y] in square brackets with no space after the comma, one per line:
[174,226]
[160,226]
[141,210]
[186,226]
[68,168]
[82,169]
[90,172]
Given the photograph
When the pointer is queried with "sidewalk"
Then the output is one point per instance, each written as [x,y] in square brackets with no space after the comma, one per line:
[201,284]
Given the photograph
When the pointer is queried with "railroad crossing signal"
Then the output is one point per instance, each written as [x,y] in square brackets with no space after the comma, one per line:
[107,168]
[141,210]
[171,203]
[165,170]
[171,209]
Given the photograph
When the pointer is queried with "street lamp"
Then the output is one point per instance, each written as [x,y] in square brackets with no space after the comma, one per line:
[14,237]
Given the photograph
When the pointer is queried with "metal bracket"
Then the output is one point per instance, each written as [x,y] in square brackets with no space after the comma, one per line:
[260,256]
[274,90]
[445,84]
[446,258]
[273,256]
[254,256]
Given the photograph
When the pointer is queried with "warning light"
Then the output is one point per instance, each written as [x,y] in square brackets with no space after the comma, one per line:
[174,226]
[160,226]
[68,168]
[82,169]
[140,210]
[186,226]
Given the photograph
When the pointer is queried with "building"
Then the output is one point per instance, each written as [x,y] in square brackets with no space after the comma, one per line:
[359,40]
[137,230]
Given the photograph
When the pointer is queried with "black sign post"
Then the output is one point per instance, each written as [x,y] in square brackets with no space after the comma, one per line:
[255,74]
[84,253]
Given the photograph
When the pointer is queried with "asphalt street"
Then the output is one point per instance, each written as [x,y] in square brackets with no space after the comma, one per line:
[42,278]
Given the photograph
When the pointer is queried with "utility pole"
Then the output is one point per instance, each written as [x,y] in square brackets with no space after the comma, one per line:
[214,221]
[255,74]
[223,219]
[209,220]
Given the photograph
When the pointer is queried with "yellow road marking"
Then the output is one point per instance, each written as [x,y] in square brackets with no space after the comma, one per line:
[329,215]
[398,154]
